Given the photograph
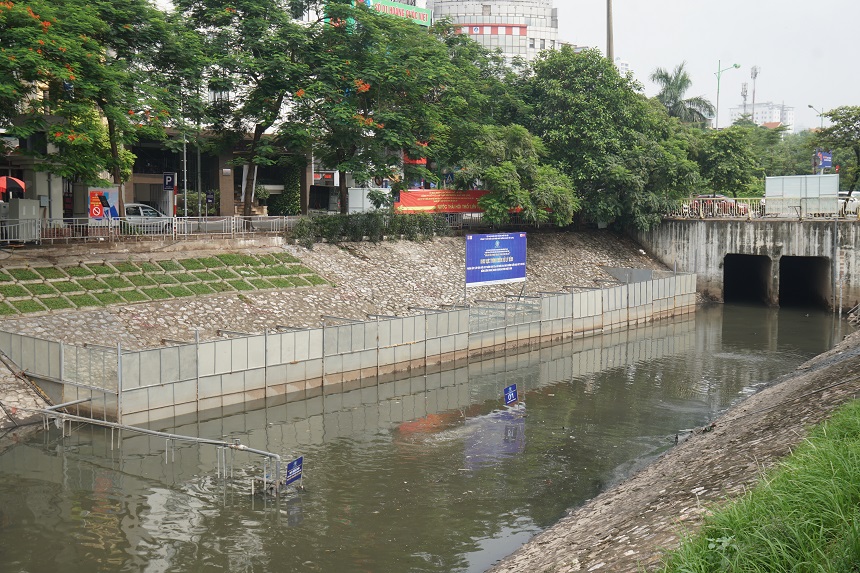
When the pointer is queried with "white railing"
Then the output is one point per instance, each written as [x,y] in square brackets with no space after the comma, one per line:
[758,207]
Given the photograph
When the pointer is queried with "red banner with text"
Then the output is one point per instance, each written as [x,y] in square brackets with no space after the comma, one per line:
[439,201]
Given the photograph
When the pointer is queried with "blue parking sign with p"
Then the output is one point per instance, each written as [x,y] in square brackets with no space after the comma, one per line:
[510,394]
[169,181]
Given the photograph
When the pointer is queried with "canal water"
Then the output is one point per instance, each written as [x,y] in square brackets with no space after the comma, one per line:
[425,474]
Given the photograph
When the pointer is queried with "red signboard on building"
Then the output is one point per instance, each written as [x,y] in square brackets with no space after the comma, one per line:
[439,201]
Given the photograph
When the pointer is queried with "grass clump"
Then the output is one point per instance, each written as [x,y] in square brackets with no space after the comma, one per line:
[149,267]
[12,291]
[40,289]
[185,278]
[240,285]
[141,280]
[297,270]
[6,309]
[278,282]
[260,283]
[67,286]
[117,282]
[170,266]
[246,272]
[126,268]
[803,516]
[26,306]
[163,279]
[285,257]
[109,298]
[221,287]
[92,284]
[102,269]
[133,296]
[24,275]
[211,262]
[191,264]
[299,282]
[49,273]
[178,291]
[56,303]
[316,280]
[200,288]
[204,276]
[78,272]
[156,293]
[230,259]
[83,300]
[224,273]
[5,277]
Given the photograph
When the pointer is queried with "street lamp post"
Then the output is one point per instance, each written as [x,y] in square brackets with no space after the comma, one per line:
[820,116]
[719,74]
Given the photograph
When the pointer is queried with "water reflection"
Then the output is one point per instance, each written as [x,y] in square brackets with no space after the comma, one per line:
[427,473]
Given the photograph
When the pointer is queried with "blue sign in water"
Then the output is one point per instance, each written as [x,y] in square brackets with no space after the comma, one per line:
[495,259]
[510,394]
[294,470]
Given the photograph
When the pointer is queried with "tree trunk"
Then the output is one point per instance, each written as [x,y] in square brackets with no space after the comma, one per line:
[250,178]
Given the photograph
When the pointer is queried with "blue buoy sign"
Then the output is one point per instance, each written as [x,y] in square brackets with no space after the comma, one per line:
[294,470]
[510,394]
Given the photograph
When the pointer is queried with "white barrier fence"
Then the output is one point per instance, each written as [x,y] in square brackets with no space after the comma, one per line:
[758,207]
[142,386]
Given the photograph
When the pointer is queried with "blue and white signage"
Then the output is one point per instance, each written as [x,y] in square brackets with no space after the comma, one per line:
[169,181]
[495,259]
[825,159]
[294,470]
[510,394]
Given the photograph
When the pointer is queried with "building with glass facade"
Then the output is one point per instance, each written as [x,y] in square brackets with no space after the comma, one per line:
[519,28]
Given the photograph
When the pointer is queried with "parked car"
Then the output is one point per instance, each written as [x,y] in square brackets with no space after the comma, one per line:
[141,218]
[849,203]
[714,205]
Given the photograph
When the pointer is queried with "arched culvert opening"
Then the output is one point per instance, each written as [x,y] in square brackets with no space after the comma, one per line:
[804,282]
[747,278]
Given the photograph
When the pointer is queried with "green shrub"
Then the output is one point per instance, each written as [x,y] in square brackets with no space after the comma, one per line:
[133,296]
[191,264]
[330,227]
[92,284]
[156,293]
[170,266]
[49,273]
[304,232]
[56,303]
[83,300]
[117,282]
[40,289]
[25,275]
[200,288]
[141,280]
[25,306]
[109,298]
[178,291]
[11,291]
[78,271]
[102,269]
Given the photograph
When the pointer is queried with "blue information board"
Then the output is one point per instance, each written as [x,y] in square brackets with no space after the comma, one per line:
[825,159]
[510,394]
[495,259]
[294,470]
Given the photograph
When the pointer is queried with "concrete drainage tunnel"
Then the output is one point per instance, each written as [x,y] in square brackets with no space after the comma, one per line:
[803,281]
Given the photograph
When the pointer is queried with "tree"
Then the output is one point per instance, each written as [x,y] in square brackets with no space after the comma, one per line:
[843,134]
[673,88]
[507,161]
[727,161]
[256,54]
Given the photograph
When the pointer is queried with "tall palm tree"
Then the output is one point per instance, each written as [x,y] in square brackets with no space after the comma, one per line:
[673,86]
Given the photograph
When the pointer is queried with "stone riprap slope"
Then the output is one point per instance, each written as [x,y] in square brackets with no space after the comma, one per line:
[361,279]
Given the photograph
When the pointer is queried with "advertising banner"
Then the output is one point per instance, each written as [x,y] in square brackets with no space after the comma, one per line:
[439,201]
[495,259]
[421,16]
[104,204]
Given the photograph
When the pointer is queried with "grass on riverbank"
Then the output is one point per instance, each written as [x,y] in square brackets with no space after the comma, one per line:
[89,284]
[802,516]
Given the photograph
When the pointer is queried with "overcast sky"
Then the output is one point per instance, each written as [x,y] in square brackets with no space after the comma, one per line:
[806,51]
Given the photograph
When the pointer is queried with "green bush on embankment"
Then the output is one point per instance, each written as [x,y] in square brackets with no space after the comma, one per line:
[39,289]
[802,516]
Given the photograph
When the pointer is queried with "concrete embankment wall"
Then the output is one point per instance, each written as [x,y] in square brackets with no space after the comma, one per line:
[144,386]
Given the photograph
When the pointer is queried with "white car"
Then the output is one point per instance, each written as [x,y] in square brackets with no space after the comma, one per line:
[142,218]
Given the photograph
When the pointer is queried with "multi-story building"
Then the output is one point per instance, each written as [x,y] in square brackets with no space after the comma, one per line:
[765,112]
[519,28]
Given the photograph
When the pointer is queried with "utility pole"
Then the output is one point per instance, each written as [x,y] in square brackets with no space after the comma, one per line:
[610,50]
[754,74]
[744,95]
